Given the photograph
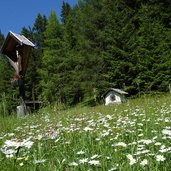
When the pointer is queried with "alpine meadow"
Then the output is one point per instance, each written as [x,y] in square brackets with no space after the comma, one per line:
[92,47]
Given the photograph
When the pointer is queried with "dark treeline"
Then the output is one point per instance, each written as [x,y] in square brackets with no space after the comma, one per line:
[95,46]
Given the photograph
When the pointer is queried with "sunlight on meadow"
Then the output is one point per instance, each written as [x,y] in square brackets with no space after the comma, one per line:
[132,136]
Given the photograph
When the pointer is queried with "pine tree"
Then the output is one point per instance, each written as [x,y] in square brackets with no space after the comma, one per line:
[149,50]
[36,35]
[65,12]
[51,58]
[39,29]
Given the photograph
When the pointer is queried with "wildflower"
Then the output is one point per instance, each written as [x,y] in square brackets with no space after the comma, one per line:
[80,152]
[8,152]
[109,117]
[95,156]
[82,161]
[39,137]
[140,124]
[162,147]
[140,147]
[157,143]
[106,125]
[164,150]
[73,164]
[129,156]
[94,162]
[39,161]
[167,120]
[133,143]
[144,162]
[20,158]
[147,141]
[160,158]
[131,159]
[155,136]
[10,134]
[9,143]
[88,129]
[34,126]
[106,133]
[140,135]
[9,155]
[112,169]
[142,152]
[108,158]
[122,144]
[21,164]
[25,143]
[166,132]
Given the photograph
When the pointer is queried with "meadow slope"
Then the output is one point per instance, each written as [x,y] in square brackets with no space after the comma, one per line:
[131,136]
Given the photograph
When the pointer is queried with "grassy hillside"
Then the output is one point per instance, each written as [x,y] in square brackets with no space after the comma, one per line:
[131,136]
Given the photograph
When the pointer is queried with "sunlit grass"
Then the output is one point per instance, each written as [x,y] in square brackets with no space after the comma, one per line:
[131,136]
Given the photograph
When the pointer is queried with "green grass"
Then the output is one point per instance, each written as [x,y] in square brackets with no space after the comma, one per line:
[130,136]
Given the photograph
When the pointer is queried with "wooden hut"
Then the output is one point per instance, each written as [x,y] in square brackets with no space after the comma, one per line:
[114,96]
[17,48]
[9,49]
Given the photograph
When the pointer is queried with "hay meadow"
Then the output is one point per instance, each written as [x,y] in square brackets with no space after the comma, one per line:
[135,135]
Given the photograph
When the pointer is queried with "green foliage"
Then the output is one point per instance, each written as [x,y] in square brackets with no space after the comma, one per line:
[130,136]
[99,45]
[32,78]
[65,12]
[39,29]
[52,52]
[8,94]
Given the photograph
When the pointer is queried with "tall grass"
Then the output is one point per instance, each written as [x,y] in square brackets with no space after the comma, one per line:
[131,136]
[3,105]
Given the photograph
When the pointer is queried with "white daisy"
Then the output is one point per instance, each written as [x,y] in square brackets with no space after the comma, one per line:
[166,132]
[80,152]
[73,164]
[94,162]
[160,158]
[144,162]
[88,129]
[131,159]
[39,161]
[82,161]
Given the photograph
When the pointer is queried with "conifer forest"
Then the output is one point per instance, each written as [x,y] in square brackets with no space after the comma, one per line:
[95,45]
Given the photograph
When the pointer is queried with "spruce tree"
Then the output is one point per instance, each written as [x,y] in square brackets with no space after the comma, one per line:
[51,58]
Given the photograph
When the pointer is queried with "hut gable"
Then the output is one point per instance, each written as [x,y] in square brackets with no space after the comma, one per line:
[114,96]
[9,48]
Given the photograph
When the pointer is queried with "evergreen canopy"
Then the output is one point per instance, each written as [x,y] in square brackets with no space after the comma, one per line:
[99,45]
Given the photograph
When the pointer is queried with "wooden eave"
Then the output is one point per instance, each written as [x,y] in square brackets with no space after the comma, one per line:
[9,47]
[118,91]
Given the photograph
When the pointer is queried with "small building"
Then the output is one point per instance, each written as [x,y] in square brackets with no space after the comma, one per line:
[9,49]
[17,49]
[114,96]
